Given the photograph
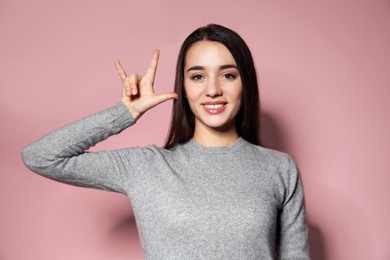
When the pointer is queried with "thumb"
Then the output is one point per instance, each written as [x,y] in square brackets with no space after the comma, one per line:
[164,97]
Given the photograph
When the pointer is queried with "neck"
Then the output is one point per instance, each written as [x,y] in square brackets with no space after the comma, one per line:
[215,137]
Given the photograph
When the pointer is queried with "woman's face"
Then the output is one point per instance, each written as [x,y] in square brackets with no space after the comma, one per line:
[212,85]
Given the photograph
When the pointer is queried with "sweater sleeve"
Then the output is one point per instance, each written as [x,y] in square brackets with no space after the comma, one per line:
[293,228]
[62,154]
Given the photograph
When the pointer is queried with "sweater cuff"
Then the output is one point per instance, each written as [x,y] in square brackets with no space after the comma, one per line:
[122,118]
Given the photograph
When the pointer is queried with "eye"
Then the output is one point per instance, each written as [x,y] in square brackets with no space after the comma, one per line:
[229,76]
[196,77]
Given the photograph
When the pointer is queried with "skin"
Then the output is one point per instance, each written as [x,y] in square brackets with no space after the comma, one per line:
[138,91]
[210,75]
[213,89]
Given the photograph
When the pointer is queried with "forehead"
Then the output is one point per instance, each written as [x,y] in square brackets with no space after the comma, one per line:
[208,53]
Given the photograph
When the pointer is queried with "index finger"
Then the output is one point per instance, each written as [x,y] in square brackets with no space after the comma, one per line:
[151,73]
[120,70]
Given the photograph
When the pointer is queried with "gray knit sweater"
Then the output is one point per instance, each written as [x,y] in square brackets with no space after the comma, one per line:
[192,202]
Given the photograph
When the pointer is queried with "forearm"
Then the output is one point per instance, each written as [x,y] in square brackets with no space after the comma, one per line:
[75,138]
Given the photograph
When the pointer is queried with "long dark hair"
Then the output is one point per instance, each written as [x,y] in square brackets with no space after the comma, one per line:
[247,119]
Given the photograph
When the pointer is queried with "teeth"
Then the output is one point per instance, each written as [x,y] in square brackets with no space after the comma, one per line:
[214,106]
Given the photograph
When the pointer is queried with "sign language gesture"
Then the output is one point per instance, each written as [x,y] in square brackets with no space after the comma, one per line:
[138,92]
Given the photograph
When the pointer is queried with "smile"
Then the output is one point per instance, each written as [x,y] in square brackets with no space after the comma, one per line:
[214,108]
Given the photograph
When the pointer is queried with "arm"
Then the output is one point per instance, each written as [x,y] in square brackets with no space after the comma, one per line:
[293,229]
[62,155]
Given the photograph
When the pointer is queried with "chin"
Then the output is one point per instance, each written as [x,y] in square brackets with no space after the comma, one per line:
[222,126]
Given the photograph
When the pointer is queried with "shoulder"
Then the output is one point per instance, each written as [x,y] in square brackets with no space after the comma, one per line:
[267,155]
[277,165]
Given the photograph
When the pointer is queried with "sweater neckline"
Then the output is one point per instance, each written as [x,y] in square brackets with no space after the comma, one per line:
[193,145]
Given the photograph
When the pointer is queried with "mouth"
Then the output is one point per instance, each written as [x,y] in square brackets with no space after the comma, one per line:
[214,107]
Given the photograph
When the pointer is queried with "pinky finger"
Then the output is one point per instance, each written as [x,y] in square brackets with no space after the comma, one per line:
[120,70]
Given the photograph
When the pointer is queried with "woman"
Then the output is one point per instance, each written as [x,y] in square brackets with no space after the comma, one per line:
[212,193]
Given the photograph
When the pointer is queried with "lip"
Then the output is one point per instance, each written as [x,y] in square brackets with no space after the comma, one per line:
[214,107]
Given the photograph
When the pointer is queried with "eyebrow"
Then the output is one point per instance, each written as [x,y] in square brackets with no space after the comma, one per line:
[227,66]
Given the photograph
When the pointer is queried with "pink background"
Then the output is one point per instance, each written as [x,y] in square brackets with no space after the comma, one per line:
[325,88]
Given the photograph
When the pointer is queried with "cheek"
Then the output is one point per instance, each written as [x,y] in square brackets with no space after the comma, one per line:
[237,94]
[238,98]
[192,92]
[189,95]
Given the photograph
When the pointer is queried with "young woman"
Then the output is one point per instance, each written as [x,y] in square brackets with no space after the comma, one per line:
[212,192]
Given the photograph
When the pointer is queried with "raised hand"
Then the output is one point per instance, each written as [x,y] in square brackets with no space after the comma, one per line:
[138,92]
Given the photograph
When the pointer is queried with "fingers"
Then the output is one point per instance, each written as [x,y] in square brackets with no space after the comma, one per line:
[126,90]
[120,70]
[129,84]
[133,85]
[165,97]
[151,72]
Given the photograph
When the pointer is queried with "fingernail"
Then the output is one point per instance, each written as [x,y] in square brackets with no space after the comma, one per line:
[133,91]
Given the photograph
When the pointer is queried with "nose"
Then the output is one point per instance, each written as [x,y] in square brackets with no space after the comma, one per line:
[213,88]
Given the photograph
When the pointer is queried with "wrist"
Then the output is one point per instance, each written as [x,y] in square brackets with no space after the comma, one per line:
[134,113]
